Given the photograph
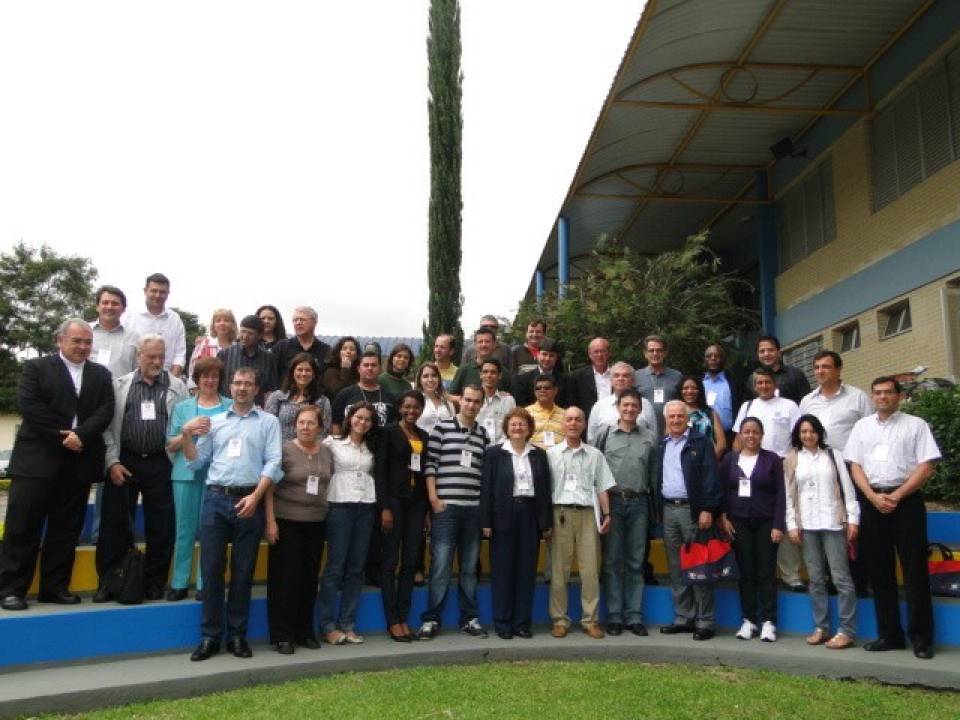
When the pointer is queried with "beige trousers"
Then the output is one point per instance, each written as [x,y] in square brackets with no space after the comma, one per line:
[574,530]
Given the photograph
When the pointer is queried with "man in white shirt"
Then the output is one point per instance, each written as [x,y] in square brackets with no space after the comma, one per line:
[778,416]
[157,320]
[496,403]
[604,412]
[114,344]
[892,456]
[580,477]
[837,405]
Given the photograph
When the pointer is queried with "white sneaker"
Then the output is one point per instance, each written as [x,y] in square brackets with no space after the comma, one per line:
[473,627]
[747,631]
[768,633]
[429,630]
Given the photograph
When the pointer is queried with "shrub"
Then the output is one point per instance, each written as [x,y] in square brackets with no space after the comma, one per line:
[941,410]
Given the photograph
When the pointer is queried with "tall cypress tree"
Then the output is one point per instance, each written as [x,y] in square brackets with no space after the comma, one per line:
[446,203]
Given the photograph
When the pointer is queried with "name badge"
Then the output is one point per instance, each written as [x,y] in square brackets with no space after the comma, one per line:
[548,438]
[490,425]
[744,489]
[103,356]
[359,482]
[148,411]
[523,481]
[313,485]
[711,398]
[570,482]
[234,447]
[776,392]
[658,395]
[415,462]
[880,453]
[466,459]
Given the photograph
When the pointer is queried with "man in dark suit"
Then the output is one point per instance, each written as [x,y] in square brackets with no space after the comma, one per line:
[590,383]
[688,495]
[66,403]
[548,359]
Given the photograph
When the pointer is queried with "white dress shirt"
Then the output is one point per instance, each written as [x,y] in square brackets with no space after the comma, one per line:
[778,416]
[605,413]
[602,381]
[169,325]
[888,451]
[839,413]
[76,374]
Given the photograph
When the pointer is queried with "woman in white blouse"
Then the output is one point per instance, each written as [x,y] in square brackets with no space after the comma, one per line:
[436,407]
[823,515]
[350,521]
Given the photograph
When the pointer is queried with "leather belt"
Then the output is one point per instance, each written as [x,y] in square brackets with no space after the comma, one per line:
[676,501]
[232,490]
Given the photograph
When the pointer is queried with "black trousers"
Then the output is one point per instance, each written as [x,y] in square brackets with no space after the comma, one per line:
[757,557]
[904,531]
[404,544]
[61,502]
[292,577]
[514,560]
[151,479]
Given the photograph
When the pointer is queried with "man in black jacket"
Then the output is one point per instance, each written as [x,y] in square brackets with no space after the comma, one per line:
[591,383]
[689,494]
[66,403]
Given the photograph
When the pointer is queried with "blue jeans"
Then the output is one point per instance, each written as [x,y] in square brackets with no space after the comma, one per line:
[348,531]
[624,548]
[457,528]
[220,525]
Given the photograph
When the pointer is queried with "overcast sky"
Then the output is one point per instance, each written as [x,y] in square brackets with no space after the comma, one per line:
[278,152]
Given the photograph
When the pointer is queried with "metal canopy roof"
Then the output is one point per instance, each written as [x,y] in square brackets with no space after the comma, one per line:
[704,89]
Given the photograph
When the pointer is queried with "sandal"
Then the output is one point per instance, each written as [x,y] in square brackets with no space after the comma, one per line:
[335,637]
[352,638]
[817,637]
[840,642]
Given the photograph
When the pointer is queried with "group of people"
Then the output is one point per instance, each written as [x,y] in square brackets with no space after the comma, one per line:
[287,439]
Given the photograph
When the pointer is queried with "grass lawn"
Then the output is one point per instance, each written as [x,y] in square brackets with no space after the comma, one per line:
[560,690]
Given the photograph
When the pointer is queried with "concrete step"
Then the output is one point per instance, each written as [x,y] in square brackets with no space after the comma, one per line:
[52,633]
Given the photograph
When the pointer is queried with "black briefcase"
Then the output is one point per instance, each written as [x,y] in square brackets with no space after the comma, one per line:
[125,581]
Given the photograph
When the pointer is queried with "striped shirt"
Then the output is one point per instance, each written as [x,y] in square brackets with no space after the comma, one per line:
[457,474]
[262,361]
[139,434]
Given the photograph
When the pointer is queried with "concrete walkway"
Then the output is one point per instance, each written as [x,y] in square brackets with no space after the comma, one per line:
[76,688]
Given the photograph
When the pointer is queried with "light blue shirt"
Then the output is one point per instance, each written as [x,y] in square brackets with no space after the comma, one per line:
[723,400]
[240,449]
[673,486]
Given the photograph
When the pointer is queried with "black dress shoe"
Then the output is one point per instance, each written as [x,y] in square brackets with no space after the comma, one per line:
[504,634]
[311,643]
[614,628]
[239,647]
[704,634]
[638,629]
[882,645]
[14,602]
[524,633]
[924,652]
[176,594]
[401,638]
[102,595]
[61,597]
[283,647]
[207,648]
[798,587]
[677,629]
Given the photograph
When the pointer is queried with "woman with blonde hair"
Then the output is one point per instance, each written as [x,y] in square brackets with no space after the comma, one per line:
[223,332]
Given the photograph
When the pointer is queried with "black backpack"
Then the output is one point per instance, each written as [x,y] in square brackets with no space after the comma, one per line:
[125,581]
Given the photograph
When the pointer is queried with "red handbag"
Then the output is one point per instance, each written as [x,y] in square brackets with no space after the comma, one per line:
[707,559]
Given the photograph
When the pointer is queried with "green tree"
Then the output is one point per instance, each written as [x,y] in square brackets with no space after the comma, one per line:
[193,327]
[681,295]
[39,288]
[445,122]
[941,410]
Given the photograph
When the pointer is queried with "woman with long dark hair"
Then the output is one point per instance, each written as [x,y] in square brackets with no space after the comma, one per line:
[823,516]
[301,386]
[352,499]
[341,369]
[399,363]
[273,327]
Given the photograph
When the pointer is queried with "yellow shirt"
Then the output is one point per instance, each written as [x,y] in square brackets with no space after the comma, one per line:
[548,425]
